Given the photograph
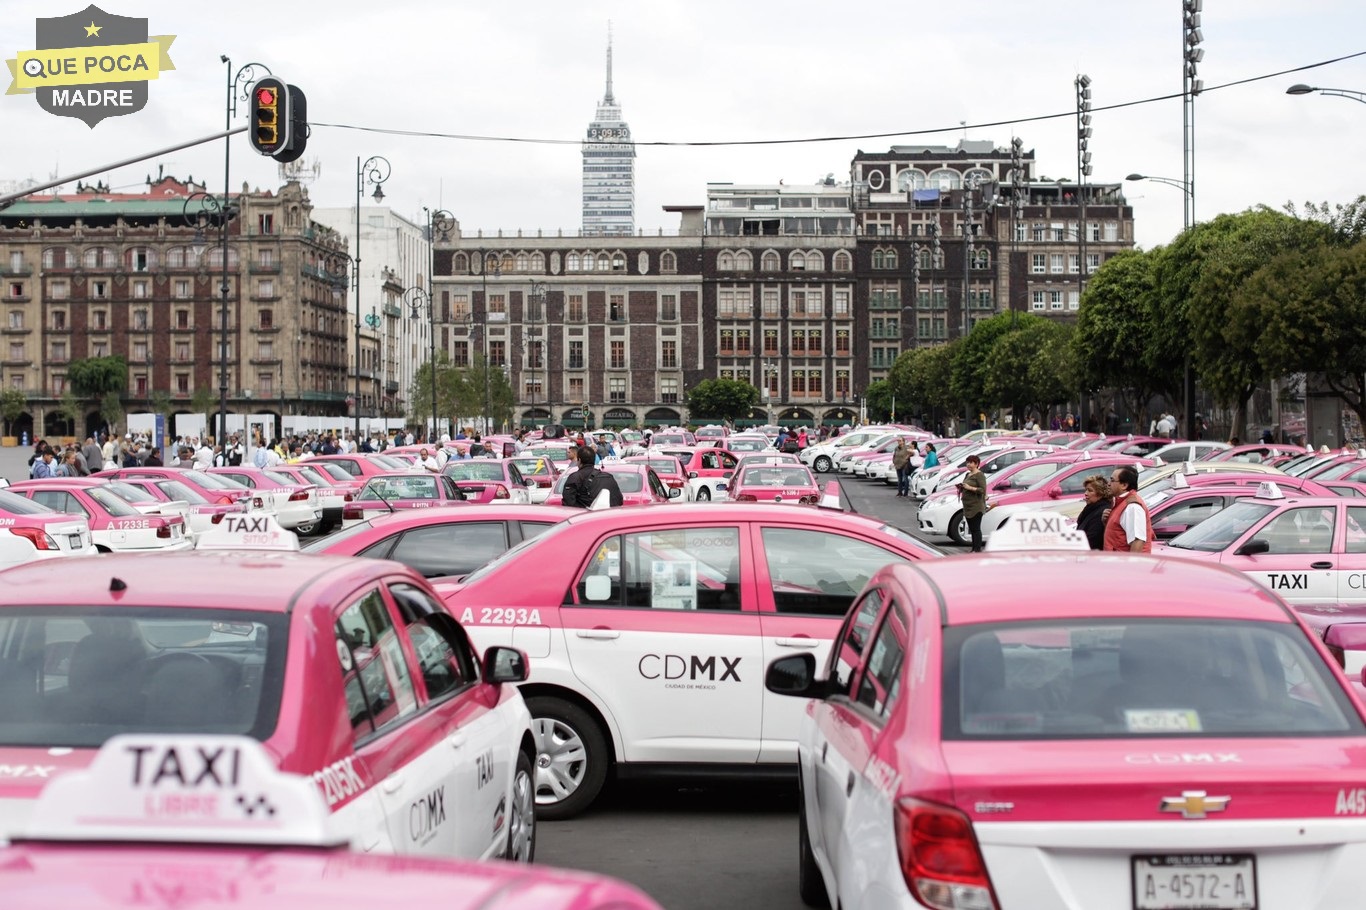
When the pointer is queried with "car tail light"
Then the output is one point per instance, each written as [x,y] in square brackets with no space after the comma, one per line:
[940,859]
[501,492]
[40,539]
[164,531]
[225,500]
[746,497]
[347,497]
[217,518]
[353,512]
[299,496]
[675,482]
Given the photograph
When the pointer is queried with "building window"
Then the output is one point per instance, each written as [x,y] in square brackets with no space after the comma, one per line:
[265,350]
[99,258]
[182,319]
[1111,231]
[16,351]
[576,355]
[796,261]
[59,320]
[843,262]
[1092,262]
[842,384]
[841,302]
[668,262]
[98,289]
[59,350]
[460,353]
[797,343]
[668,355]
[59,290]
[498,353]
[58,385]
[182,289]
[725,303]
[265,257]
[1021,232]
[99,349]
[668,390]
[742,343]
[668,308]
[576,390]
[1074,263]
[498,307]
[1055,263]
[267,319]
[139,351]
[265,385]
[16,319]
[54,257]
[140,385]
[842,347]
[772,308]
[265,287]
[1038,264]
[815,384]
[744,261]
[574,308]
[815,303]
[815,343]
[770,342]
[265,223]
[1073,300]
[616,389]
[981,259]
[798,384]
[571,262]
[140,320]
[139,290]
[535,354]
[617,355]
[770,262]
[182,350]
[725,261]
[182,383]
[727,345]
[616,307]
[533,388]
[1055,300]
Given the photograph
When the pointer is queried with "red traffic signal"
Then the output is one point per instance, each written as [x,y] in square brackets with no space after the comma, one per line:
[265,96]
[271,118]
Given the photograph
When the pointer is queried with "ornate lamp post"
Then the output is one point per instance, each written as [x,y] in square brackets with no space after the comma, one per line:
[373,172]
[202,210]
[534,348]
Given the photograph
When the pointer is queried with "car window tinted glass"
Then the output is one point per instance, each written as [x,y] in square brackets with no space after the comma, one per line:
[15,504]
[1355,540]
[629,481]
[450,548]
[130,493]
[1308,530]
[1191,513]
[879,685]
[444,660]
[819,572]
[112,504]
[1138,680]
[514,552]
[379,688]
[62,502]
[177,490]
[1223,529]
[1031,474]
[474,470]
[846,656]
[76,676]
[678,569]
[335,471]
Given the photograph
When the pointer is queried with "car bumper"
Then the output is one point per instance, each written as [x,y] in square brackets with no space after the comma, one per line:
[934,517]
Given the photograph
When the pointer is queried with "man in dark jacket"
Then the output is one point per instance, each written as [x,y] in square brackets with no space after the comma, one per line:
[584,485]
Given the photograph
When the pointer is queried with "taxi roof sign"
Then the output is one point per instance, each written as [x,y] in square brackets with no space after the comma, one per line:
[1037,530]
[248,531]
[199,788]
[1268,489]
[1179,481]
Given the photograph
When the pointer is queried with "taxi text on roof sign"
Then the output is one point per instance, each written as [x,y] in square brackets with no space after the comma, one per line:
[207,789]
[1037,530]
[248,532]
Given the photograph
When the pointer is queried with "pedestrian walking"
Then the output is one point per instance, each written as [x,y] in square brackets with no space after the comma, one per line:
[972,492]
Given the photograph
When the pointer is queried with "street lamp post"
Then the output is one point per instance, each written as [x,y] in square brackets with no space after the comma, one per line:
[439,222]
[1302,89]
[417,298]
[373,172]
[537,296]
[207,209]
[1083,84]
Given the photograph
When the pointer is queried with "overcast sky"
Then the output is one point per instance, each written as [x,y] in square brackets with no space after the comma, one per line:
[706,70]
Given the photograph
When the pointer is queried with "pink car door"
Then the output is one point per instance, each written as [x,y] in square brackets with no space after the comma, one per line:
[1293,552]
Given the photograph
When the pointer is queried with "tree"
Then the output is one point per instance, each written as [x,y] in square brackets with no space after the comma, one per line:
[721,399]
[972,358]
[880,401]
[921,379]
[1347,222]
[202,402]
[69,407]
[111,410]
[1311,306]
[1030,368]
[159,402]
[12,404]
[92,377]
[1116,332]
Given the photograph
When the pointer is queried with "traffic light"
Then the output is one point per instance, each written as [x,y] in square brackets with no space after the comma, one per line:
[298,126]
[271,116]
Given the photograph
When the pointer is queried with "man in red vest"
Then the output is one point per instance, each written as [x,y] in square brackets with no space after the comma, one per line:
[1127,529]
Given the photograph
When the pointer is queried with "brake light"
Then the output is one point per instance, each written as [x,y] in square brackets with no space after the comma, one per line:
[353,513]
[217,518]
[40,539]
[347,497]
[675,482]
[164,531]
[299,496]
[225,500]
[940,859]
[500,492]
[746,497]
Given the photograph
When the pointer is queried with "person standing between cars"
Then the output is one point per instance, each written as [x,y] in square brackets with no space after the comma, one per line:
[901,460]
[1127,528]
[43,466]
[802,438]
[94,455]
[931,457]
[1092,517]
[584,485]
[972,492]
[428,463]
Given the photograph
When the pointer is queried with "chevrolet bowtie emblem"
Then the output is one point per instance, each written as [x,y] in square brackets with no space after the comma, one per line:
[1194,803]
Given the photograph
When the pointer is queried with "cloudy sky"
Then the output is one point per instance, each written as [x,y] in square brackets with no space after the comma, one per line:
[712,71]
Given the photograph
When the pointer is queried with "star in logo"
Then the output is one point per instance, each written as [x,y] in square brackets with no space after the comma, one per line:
[92,30]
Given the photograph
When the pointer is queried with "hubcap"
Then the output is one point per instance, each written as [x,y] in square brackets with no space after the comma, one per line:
[561,760]
[523,819]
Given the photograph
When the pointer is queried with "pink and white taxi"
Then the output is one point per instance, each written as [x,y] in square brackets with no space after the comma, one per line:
[647,629]
[976,742]
[29,531]
[115,525]
[349,671]
[202,820]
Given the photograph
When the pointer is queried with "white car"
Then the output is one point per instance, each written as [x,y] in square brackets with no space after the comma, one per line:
[295,505]
[821,457]
[30,531]
[707,489]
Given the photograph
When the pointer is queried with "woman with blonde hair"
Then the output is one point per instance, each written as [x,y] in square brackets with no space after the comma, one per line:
[1099,500]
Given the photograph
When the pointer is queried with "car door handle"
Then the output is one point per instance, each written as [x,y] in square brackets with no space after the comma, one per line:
[825,747]
[799,642]
[601,634]
[1324,564]
[849,785]
[457,740]
[393,783]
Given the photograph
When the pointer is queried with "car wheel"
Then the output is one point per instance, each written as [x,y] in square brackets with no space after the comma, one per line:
[571,757]
[308,529]
[522,813]
[958,528]
[703,494]
[810,882]
[821,464]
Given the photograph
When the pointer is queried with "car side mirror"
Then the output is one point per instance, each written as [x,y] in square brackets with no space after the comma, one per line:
[530,484]
[675,492]
[504,665]
[795,676]
[692,473]
[1253,547]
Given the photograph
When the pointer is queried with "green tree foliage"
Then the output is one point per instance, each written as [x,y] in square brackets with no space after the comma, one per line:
[1116,330]
[92,377]
[972,358]
[1347,222]
[12,404]
[160,402]
[1031,368]
[880,401]
[69,408]
[1311,306]
[721,399]
[203,401]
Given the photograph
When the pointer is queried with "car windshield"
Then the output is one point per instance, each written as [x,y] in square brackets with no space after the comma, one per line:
[15,504]
[1138,679]
[177,490]
[629,481]
[130,492]
[1029,475]
[664,466]
[474,470]
[316,477]
[218,482]
[533,467]
[335,471]
[748,445]
[391,462]
[404,486]
[776,476]
[75,676]
[1219,531]
[116,507]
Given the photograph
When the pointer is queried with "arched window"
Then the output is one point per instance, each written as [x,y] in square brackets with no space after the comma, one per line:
[604,262]
[946,178]
[889,259]
[878,259]
[978,176]
[571,262]
[460,263]
[925,258]
[618,262]
[491,262]
[744,262]
[57,257]
[508,263]
[843,262]
[139,259]
[538,262]
[99,257]
[796,261]
[668,262]
[815,262]
[177,257]
[981,259]
[771,261]
[725,261]
[589,263]
[522,262]
[213,257]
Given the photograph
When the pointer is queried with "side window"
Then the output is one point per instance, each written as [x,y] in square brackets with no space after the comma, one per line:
[880,683]
[1308,530]
[709,461]
[380,550]
[532,529]
[657,485]
[454,548]
[680,569]
[819,572]
[444,658]
[847,654]
[515,475]
[449,489]
[379,689]
[1076,483]
[1190,514]
[1356,530]
[728,461]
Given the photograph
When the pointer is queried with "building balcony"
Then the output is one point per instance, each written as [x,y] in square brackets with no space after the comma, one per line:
[257,268]
[392,311]
[15,330]
[265,361]
[879,302]
[322,396]
[22,271]
[391,387]
[18,298]
[267,297]
[265,329]
[11,362]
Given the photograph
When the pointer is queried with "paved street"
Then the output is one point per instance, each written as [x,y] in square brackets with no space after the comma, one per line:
[14,463]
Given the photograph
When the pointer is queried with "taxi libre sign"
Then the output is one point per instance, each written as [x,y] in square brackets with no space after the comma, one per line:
[91,65]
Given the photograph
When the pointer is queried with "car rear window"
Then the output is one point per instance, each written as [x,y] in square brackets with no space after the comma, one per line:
[474,470]
[1139,679]
[75,676]
[15,504]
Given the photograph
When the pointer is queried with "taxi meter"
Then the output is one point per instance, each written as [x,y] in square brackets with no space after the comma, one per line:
[201,788]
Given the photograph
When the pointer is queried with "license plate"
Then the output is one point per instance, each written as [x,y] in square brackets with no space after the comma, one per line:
[1195,881]
[75,540]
